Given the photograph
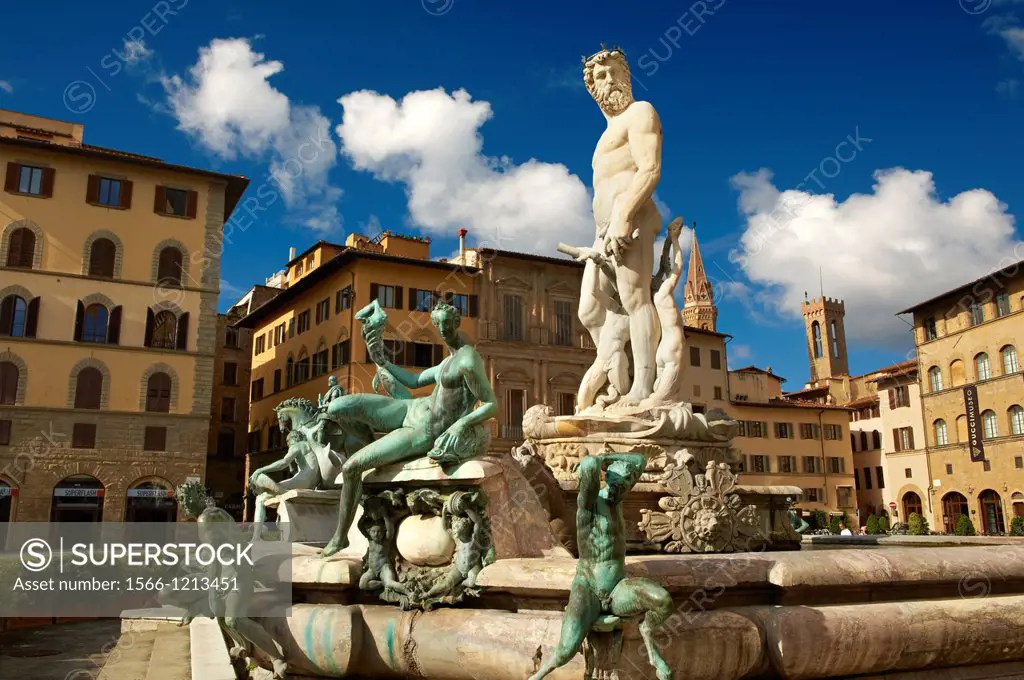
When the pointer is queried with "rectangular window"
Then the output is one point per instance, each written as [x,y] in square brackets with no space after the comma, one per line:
[155,439]
[696,390]
[1018,461]
[422,354]
[563,323]
[302,370]
[513,314]
[694,356]
[227,409]
[899,396]
[230,373]
[986,465]
[175,202]
[787,464]
[109,193]
[231,337]
[949,468]
[836,465]
[1002,304]
[256,392]
[880,477]
[904,438]
[320,363]
[759,464]
[340,354]
[515,407]
[833,432]
[83,436]
[812,495]
[930,332]
[424,300]
[867,478]
[809,431]
[386,296]
[844,496]
[5,433]
[718,393]
[254,443]
[460,301]
[303,322]
[30,181]
[856,478]
[260,345]
[977,314]
[812,465]
[277,380]
[323,310]
[566,403]
[783,430]
[753,428]
[716,359]
[908,473]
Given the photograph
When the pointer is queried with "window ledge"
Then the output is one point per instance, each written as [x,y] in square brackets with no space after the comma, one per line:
[28,195]
[104,205]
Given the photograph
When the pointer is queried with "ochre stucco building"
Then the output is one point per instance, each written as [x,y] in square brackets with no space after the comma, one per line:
[972,387]
[109,277]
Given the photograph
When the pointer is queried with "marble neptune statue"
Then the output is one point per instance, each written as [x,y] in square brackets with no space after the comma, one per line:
[448,425]
[627,167]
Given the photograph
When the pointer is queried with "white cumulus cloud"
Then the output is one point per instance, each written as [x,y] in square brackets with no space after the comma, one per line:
[6,87]
[881,252]
[430,141]
[227,104]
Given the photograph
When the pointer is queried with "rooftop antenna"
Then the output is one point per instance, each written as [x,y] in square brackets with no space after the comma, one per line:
[821,285]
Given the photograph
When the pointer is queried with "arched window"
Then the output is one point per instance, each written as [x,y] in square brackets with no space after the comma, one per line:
[1009,354]
[88,388]
[935,378]
[21,252]
[961,429]
[816,336]
[956,372]
[863,440]
[911,505]
[989,424]
[94,323]
[835,339]
[13,316]
[1016,414]
[954,506]
[991,512]
[941,434]
[158,393]
[165,327]
[983,370]
[168,269]
[101,258]
[9,376]
[876,439]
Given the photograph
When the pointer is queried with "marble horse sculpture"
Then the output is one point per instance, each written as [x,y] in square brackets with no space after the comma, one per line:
[447,426]
[317,449]
[601,593]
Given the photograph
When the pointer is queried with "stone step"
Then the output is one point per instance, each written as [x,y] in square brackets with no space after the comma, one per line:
[158,654]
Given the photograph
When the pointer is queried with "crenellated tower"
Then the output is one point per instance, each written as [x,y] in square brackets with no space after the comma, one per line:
[699,310]
[826,337]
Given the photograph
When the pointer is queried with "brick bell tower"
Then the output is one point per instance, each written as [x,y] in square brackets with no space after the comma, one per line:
[826,337]
[699,310]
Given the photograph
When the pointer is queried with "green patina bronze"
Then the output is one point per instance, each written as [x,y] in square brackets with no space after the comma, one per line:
[447,426]
[602,594]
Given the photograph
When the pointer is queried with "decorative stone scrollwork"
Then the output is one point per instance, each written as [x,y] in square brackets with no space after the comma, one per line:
[427,547]
[702,515]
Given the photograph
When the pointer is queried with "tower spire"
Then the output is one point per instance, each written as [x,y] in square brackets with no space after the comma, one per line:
[699,309]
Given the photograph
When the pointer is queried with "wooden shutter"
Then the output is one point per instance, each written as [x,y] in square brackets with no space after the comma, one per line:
[92,189]
[32,318]
[11,181]
[79,317]
[49,175]
[183,331]
[88,388]
[374,289]
[896,438]
[126,193]
[398,297]
[191,201]
[5,432]
[147,340]
[892,397]
[910,438]
[160,201]
[9,376]
[412,299]
[83,436]
[6,314]
[114,326]
[156,439]
[474,305]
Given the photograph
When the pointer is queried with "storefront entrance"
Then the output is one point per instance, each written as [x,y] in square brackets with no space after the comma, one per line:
[151,502]
[77,499]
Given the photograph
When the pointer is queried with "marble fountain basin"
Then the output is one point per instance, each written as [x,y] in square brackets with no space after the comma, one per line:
[910,612]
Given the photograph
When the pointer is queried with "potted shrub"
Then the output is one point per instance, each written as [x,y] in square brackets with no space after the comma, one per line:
[872,525]
[965,527]
[1017,526]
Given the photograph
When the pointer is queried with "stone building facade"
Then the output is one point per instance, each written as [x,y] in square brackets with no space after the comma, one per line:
[109,277]
[969,373]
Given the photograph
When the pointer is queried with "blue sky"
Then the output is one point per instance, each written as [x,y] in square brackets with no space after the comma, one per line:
[753,97]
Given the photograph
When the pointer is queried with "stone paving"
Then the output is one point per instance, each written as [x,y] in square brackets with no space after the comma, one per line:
[95,650]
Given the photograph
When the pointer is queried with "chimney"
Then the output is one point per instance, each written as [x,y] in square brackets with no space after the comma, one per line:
[462,243]
[291,253]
